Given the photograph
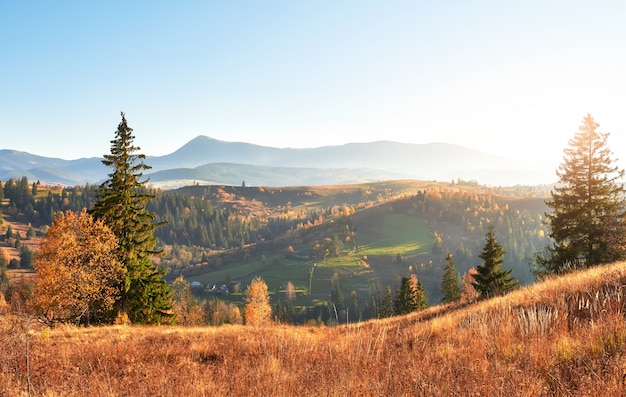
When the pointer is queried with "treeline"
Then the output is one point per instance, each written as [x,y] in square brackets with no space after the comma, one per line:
[194,221]
[34,204]
[184,220]
[458,219]
[193,227]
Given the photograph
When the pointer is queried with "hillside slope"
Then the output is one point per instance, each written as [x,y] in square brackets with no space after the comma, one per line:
[561,337]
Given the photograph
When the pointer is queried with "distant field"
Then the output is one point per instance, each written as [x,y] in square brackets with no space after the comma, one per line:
[402,234]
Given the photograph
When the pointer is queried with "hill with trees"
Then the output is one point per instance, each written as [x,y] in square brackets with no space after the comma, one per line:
[365,237]
[320,256]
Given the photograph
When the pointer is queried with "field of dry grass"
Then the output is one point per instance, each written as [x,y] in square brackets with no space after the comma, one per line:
[563,337]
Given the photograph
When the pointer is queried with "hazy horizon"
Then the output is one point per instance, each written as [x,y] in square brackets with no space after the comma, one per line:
[508,79]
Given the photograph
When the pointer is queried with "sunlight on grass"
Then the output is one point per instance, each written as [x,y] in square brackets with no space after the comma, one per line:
[404,235]
[490,348]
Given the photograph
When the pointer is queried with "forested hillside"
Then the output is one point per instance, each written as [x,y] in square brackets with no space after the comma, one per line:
[343,247]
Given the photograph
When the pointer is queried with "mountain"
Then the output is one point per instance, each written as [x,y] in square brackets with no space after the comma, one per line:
[259,175]
[15,164]
[209,160]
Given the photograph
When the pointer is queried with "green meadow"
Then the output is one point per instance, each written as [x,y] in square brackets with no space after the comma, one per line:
[372,261]
[402,234]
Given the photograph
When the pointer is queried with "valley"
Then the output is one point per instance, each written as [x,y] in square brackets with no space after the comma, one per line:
[343,247]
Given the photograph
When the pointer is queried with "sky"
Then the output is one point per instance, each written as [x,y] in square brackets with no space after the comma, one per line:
[508,78]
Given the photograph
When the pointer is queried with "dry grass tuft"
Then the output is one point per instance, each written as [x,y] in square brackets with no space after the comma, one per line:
[562,337]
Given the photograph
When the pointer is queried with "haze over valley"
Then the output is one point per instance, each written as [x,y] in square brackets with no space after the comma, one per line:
[206,160]
[312,198]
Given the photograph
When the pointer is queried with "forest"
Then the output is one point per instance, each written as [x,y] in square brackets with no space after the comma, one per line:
[211,233]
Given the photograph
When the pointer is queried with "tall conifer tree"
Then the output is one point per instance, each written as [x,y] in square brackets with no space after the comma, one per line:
[587,219]
[490,279]
[410,297]
[450,282]
[121,203]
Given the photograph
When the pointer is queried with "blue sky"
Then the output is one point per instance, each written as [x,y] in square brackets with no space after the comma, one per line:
[509,78]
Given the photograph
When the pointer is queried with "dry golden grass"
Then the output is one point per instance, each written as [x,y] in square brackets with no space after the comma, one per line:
[563,337]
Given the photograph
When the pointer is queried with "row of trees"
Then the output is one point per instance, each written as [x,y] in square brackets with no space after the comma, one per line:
[257,310]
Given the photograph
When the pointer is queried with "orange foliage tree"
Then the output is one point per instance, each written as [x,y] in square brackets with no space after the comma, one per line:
[187,310]
[78,271]
[468,292]
[258,311]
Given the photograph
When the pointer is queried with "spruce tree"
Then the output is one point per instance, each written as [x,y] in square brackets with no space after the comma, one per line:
[490,280]
[121,203]
[587,219]
[450,282]
[385,307]
[410,297]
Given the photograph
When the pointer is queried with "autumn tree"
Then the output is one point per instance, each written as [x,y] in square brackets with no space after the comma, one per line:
[187,310]
[410,297]
[121,204]
[587,219]
[218,312]
[79,274]
[290,292]
[450,282]
[257,311]
[468,292]
[490,279]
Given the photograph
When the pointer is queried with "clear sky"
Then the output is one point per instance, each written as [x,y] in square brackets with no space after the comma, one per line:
[513,78]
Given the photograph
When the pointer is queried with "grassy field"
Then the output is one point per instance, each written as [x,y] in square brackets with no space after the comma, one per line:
[561,337]
[403,235]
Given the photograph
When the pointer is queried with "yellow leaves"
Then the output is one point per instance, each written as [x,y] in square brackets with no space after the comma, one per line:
[79,273]
[258,311]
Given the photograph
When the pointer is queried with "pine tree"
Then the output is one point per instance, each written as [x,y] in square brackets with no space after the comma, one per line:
[336,294]
[121,203]
[587,219]
[490,280]
[385,307]
[450,282]
[410,297]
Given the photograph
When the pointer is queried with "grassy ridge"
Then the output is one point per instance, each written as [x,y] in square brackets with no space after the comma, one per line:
[561,337]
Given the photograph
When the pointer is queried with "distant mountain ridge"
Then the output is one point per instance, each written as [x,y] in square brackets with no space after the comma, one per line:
[208,160]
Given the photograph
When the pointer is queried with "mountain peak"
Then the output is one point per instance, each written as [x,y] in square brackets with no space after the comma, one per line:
[434,161]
